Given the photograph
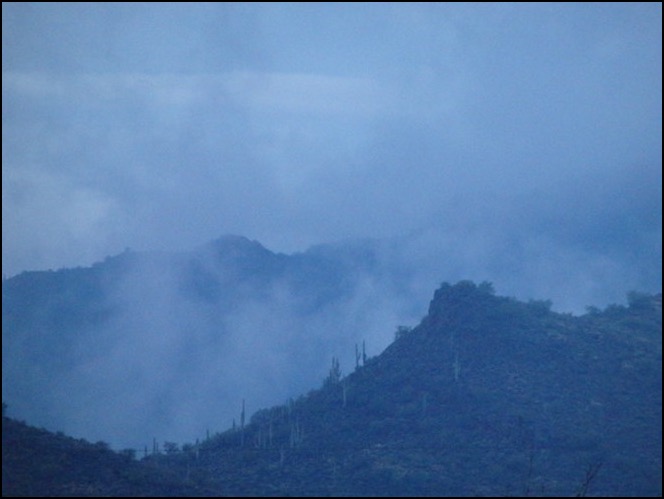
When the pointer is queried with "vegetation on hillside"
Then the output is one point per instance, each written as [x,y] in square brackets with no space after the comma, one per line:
[486,396]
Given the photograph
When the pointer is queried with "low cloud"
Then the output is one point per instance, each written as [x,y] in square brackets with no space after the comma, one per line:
[509,143]
[173,365]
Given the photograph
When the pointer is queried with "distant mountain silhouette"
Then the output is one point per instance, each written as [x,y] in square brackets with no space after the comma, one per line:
[153,332]
[486,396]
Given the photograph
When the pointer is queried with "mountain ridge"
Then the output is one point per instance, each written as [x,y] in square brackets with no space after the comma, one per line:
[487,395]
[213,305]
[486,382]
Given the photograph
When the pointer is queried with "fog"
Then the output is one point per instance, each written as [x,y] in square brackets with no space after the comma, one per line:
[177,341]
[519,144]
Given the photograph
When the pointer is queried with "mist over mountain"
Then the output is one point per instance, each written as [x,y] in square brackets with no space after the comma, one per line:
[523,141]
[174,341]
[365,153]
[487,395]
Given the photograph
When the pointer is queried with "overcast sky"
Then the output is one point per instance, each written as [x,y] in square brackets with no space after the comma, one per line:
[163,126]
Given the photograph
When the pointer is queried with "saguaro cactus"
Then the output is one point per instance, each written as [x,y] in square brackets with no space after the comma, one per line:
[242,425]
[295,433]
[335,373]
[344,388]
[456,366]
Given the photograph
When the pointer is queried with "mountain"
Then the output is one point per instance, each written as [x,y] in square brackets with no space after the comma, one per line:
[486,396]
[174,341]
[38,463]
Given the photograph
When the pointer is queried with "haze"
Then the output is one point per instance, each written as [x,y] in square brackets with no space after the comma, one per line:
[515,143]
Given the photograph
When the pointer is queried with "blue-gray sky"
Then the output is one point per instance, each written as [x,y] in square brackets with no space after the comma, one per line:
[529,131]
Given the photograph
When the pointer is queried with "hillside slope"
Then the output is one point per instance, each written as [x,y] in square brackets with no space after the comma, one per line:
[38,463]
[486,396]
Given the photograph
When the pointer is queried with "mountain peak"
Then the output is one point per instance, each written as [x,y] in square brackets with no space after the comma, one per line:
[236,242]
[462,291]
[455,302]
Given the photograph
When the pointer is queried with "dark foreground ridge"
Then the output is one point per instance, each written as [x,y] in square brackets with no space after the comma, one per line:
[486,396]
